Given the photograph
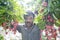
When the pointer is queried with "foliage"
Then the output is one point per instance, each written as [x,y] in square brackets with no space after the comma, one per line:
[55,9]
[4,9]
[9,10]
[40,17]
[1,37]
[41,22]
[18,10]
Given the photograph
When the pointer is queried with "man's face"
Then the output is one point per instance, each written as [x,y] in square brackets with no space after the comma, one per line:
[29,20]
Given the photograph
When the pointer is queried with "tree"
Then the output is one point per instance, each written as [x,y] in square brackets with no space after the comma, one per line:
[42,11]
[51,7]
[9,10]
[54,8]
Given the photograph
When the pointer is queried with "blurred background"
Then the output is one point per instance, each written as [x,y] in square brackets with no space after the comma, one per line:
[47,12]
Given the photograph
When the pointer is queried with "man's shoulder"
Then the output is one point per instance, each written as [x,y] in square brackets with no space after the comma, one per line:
[36,27]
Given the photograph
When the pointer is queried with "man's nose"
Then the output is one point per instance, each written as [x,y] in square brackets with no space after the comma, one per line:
[28,20]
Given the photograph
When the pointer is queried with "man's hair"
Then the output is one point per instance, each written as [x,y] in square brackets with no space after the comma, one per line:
[29,13]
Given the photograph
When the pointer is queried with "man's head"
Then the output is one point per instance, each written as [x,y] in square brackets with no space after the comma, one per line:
[29,18]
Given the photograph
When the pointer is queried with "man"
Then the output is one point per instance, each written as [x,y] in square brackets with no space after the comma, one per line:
[29,31]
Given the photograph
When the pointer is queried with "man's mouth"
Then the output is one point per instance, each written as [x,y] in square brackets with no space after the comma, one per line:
[28,23]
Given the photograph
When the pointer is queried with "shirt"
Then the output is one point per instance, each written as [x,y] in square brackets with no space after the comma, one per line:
[29,34]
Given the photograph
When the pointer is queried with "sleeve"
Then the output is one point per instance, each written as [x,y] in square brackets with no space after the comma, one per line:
[19,28]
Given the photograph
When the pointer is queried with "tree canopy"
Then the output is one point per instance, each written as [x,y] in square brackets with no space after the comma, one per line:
[9,10]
